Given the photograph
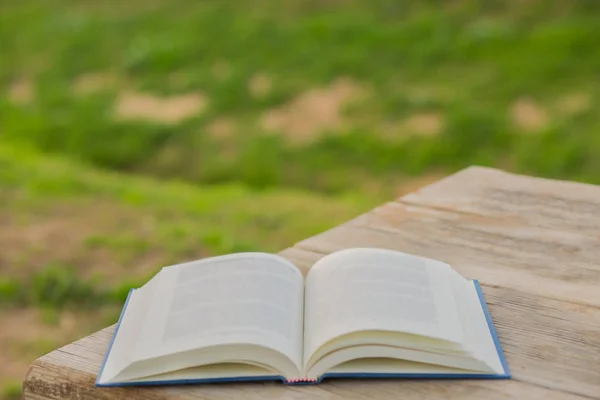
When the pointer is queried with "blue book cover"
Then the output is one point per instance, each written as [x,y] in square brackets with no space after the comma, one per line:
[505,375]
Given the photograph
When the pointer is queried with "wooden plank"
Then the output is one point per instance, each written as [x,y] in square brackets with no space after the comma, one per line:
[551,343]
[301,258]
[531,242]
[538,202]
[70,373]
[497,251]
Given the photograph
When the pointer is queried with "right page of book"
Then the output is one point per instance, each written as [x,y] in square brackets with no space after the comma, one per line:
[365,289]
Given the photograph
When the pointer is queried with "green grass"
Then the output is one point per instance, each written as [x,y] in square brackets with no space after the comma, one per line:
[93,205]
[54,288]
[58,285]
[11,291]
[31,178]
[138,225]
[466,61]
[76,238]
[11,391]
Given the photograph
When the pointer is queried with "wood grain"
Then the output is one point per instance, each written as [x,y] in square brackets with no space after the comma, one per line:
[532,243]
[70,373]
[497,251]
[555,344]
[562,205]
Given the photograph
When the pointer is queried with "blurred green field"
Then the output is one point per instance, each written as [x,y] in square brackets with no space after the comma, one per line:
[301,94]
[138,134]
[75,239]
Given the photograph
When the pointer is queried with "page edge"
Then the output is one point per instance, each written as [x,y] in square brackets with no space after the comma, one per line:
[112,341]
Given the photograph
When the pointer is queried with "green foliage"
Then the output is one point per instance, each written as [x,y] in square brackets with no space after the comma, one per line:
[170,221]
[50,315]
[11,391]
[121,243]
[409,58]
[119,293]
[468,62]
[34,348]
[55,287]
[222,243]
[59,285]
[261,163]
[11,291]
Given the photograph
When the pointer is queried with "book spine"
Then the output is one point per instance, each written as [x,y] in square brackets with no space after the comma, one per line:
[302,381]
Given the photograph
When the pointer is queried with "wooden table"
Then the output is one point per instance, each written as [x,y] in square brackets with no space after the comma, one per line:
[534,245]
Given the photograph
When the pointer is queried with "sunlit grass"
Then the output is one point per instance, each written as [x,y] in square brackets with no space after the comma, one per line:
[468,64]
[136,226]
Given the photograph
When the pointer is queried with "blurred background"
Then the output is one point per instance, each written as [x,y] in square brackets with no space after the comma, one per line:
[136,134]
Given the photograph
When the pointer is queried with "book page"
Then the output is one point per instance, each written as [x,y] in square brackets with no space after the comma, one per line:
[378,290]
[130,322]
[245,298]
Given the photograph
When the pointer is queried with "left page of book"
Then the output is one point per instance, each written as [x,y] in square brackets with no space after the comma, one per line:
[231,311]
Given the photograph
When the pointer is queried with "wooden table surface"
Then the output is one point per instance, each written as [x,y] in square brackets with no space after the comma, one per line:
[534,245]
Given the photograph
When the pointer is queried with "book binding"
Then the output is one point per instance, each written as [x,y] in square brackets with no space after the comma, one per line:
[305,381]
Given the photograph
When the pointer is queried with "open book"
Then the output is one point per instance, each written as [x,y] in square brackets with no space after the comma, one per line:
[252,316]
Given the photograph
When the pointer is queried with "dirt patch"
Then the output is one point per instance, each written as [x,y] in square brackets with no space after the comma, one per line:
[528,115]
[170,110]
[221,129]
[21,92]
[64,234]
[93,82]
[306,117]
[46,240]
[574,103]
[424,124]
[260,85]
